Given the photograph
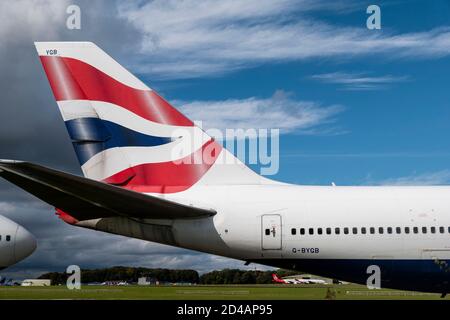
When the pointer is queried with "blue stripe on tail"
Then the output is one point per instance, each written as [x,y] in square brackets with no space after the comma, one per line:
[92,135]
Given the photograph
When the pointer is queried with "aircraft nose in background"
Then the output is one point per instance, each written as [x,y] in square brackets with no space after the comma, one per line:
[25,244]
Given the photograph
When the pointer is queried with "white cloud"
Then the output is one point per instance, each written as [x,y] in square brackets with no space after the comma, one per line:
[197,38]
[280,111]
[359,81]
[424,179]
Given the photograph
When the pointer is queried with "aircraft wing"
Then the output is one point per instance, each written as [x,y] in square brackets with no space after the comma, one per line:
[86,199]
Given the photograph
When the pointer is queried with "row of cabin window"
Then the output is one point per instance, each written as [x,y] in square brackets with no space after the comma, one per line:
[7,238]
[371,230]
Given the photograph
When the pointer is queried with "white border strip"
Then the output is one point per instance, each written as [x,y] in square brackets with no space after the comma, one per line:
[76,109]
[91,54]
[111,161]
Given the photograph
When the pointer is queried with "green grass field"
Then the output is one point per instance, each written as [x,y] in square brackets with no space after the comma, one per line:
[200,292]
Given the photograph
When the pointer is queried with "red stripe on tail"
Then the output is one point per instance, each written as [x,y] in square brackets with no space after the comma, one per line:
[72,79]
[170,177]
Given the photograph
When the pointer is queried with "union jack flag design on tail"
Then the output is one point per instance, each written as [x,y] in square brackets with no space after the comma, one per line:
[124,133]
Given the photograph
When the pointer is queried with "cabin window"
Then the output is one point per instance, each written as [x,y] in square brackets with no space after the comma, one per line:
[372,230]
[294,231]
[389,230]
[0,238]
[416,230]
[380,230]
[398,230]
[319,231]
[355,230]
[311,230]
[302,231]
[441,229]
[267,232]
[406,230]
[433,229]
[424,229]
[345,230]
[337,230]
[328,230]
[363,230]
[8,238]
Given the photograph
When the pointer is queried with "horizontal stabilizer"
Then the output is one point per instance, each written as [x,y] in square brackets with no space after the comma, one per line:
[86,199]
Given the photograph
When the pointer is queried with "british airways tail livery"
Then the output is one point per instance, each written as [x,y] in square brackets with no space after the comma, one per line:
[150,173]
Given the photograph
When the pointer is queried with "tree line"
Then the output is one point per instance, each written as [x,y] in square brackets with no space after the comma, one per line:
[131,275]
[237,276]
[128,274]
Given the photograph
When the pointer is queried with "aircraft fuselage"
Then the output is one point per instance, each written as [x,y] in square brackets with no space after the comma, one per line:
[335,232]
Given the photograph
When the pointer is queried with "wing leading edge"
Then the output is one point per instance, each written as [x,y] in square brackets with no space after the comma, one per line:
[86,199]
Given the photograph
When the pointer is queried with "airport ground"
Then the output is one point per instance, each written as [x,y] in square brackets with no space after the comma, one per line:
[216,292]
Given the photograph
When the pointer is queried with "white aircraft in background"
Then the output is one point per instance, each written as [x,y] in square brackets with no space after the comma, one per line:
[297,280]
[16,243]
[142,180]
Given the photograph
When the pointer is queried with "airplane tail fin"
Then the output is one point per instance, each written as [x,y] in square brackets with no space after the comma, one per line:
[275,278]
[124,133]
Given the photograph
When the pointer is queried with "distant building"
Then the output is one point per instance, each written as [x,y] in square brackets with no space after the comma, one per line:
[36,283]
[146,281]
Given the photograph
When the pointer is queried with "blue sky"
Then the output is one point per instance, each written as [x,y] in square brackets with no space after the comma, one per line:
[395,127]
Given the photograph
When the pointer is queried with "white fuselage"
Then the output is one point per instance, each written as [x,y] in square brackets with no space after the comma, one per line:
[256,223]
[16,243]
[238,224]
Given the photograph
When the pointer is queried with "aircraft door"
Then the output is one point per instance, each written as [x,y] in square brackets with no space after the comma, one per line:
[271,232]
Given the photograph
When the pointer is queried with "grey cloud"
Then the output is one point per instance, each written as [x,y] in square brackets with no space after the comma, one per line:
[60,245]
[30,124]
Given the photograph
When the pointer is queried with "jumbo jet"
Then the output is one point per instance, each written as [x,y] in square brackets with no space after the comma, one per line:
[16,243]
[297,280]
[286,280]
[150,173]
